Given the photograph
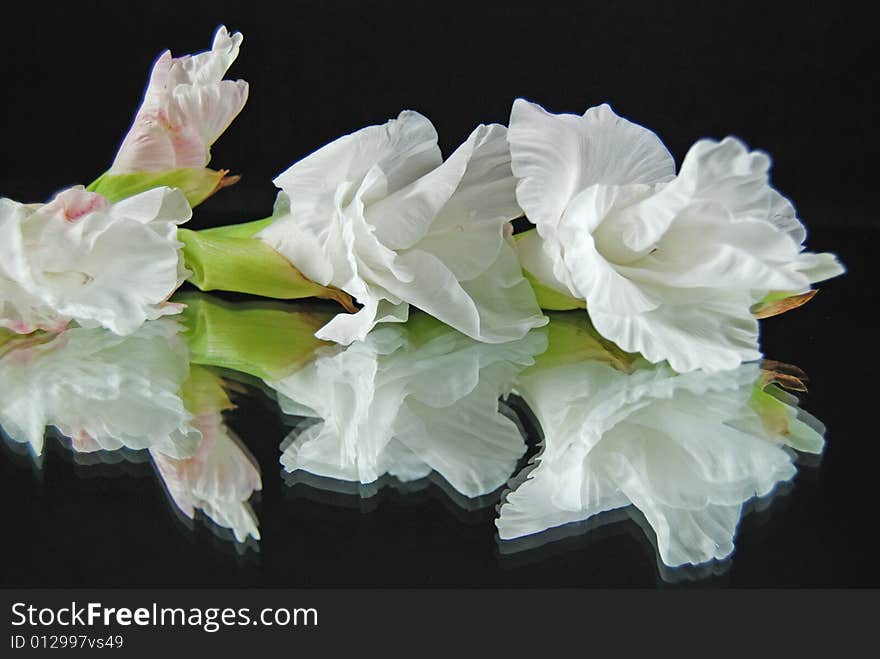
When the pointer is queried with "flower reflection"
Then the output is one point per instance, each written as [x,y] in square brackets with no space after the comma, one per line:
[409,400]
[110,393]
[221,476]
[102,390]
[417,403]
[412,400]
[687,450]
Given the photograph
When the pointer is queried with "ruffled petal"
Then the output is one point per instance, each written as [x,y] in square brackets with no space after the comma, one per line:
[555,157]
[686,450]
[210,66]
[703,250]
[377,215]
[116,391]
[818,267]
[725,177]
[692,329]
[210,109]
[585,270]
[538,262]
[312,226]
[80,258]
[406,402]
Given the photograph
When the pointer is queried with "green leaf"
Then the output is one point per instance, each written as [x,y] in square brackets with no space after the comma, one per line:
[196,184]
[225,262]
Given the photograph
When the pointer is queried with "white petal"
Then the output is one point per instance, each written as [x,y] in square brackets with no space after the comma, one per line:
[694,329]
[703,250]
[818,267]
[538,262]
[209,109]
[312,227]
[584,269]
[402,149]
[22,308]
[723,175]
[116,391]
[154,206]
[117,288]
[473,187]
[557,156]
[672,445]
[210,66]
[98,264]
[406,406]
[376,214]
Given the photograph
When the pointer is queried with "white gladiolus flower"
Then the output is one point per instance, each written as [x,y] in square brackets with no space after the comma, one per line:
[104,391]
[405,405]
[688,450]
[82,258]
[218,479]
[668,266]
[379,215]
[186,107]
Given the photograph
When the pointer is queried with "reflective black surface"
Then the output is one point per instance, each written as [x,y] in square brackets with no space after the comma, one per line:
[792,82]
[105,518]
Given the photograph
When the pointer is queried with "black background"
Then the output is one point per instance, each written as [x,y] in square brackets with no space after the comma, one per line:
[794,79]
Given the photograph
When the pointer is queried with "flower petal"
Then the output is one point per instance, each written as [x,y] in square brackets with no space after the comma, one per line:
[312,228]
[692,329]
[219,479]
[686,450]
[409,400]
[186,107]
[555,157]
[90,383]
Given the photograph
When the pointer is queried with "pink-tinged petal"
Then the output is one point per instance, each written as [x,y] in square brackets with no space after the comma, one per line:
[209,109]
[218,479]
[83,442]
[81,258]
[75,203]
[186,107]
[156,143]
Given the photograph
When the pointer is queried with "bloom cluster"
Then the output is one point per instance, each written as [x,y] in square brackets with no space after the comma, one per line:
[677,267]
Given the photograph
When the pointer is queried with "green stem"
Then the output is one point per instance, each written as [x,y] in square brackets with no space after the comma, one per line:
[268,340]
[229,259]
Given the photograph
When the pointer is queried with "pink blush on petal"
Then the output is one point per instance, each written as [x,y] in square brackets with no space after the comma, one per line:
[76,203]
[19,327]
[83,442]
